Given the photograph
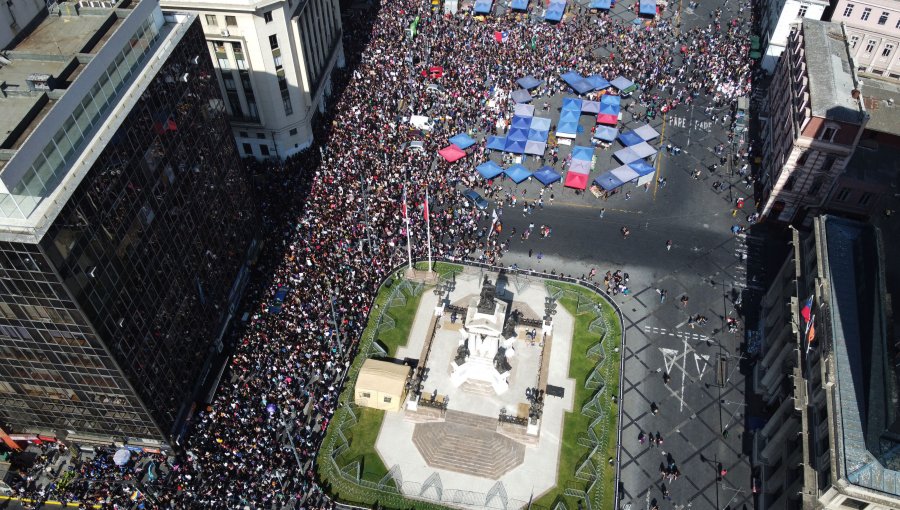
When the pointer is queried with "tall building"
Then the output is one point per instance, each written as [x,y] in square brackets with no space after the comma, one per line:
[873,33]
[778,18]
[124,223]
[815,120]
[274,61]
[828,372]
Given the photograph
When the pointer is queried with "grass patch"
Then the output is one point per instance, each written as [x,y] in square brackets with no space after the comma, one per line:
[441,268]
[362,437]
[576,424]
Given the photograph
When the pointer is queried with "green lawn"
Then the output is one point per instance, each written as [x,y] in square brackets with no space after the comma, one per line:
[575,423]
[362,437]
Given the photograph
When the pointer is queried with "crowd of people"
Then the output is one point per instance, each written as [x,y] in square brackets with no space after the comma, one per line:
[338,230]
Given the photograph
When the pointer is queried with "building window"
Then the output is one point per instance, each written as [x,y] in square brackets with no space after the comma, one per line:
[828,164]
[387,400]
[828,134]
[801,161]
[239,55]
[285,94]
[888,49]
[211,20]
[848,10]
[854,40]
[866,13]
[883,18]
[231,21]
[293,132]
[365,394]
[864,199]
[816,185]
[842,195]
[248,149]
[264,150]
[261,136]
[789,183]
[870,46]
[267,16]
[273,41]
[242,134]
[802,11]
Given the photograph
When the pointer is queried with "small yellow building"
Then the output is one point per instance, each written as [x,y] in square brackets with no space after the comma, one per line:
[381,385]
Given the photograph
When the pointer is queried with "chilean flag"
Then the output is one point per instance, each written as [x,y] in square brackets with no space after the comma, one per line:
[403,205]
[501,37]
[807,309]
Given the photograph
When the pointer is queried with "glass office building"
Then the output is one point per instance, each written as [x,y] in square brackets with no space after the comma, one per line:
[125,219]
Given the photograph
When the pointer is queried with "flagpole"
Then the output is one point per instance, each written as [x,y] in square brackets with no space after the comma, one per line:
[428,227]
[406,219]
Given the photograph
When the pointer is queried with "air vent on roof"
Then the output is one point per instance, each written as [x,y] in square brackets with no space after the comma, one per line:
[68,9]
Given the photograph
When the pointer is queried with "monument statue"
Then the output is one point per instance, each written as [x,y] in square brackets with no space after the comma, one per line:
[488,300]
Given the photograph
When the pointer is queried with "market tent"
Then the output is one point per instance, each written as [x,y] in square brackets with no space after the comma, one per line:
[535,148]
[576,180]
[463,141]
[626,155]
[622,83]
[608,181]
[528,82]
[646,132]
[520,122]
[521,96]
[496,143]
[540,123]
[547,175]
[483,6]
[537,136]
[515,146]
[583,153]
[517,134]
[568,123]
[648,8]
[630,138]
[489,169]
[571,78]
[556,10]
[520,5]
[381,384]
[580,166]
[642,167]
[643,149]
[583,86]
[590,107]
[597,82]
[517,173]
[624,173]
[452,153]
[611,99]
[601,4]
[525,110]
[607,118]
[571,103]
[606,133]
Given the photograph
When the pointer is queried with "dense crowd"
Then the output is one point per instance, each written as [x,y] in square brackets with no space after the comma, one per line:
[338,228]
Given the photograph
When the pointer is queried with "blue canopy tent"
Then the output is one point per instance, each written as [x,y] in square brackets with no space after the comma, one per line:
[648,8]
[630,138]
[521,96]
[515,146]
[611,99]
[571,103]
[463,141]
[540,123]
[520,122]
[497,143]
[489,169]
[609,114]
[583,86]
[524,110]
[624,85]
[518,173]
[568,123]
[583,153]
[592,107]
[608,181]
[537,136]
[528,82]
[601,4]
[547,175]
[597,82]
[642,167]
[483,6]
[517,134]
[606,133]
[624,173]
[535,148]
[520,5]
[571,77]
[555,11]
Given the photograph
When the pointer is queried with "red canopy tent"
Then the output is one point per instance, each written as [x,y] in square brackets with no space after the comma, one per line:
[576,180]
[452,153]
[608,119]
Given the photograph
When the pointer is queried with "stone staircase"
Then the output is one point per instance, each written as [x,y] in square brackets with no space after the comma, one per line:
[482,388]
[468,443]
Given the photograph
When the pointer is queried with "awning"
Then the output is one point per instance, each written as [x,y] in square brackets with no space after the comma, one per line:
[646,132]
[521,96]
[528,82]
[624,173]
[547,175]
[582,153]
[630,138]
[643,150]
[642,167]
[489,169]
[606,133]
[463,141]
[608,181]
[496,143]
[452,153]
[576,180]
[626,155]
[517,173]
[524,110]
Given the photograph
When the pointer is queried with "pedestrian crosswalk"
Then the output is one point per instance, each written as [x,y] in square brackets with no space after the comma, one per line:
[677,334]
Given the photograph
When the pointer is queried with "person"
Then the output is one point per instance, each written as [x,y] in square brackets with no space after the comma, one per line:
[684,301]
[668,245]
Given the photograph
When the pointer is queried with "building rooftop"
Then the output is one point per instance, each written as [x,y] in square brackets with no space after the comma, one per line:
[866,408]
[832,78]
[883,105]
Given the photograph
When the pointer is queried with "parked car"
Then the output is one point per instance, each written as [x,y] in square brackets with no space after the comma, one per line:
[475,199]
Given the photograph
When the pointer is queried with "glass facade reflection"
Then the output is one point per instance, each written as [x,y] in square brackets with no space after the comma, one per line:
[105,324]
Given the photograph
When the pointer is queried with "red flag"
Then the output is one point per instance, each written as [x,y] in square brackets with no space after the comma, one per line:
[403,205]
[811,331]
[426,204]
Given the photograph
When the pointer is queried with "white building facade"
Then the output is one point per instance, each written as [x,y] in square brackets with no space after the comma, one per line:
[873,35]
[778,18]
[274,61]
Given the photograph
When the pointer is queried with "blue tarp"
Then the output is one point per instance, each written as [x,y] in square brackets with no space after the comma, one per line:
[517,135]
[608,181]
[520,5]
[496,142]
[520,122]
[597,82]
[518,173]
[642,167]
[528,82]
[583,153]
[630,138]
[515,146]
[601,4]
[463,141]
[483,6]
[521,96]
[280,294]
[489,169]
[606,133]
[556,10]
[648,7]
[547,175]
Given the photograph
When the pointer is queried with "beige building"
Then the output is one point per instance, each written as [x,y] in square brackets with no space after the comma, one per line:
[873,34]
[831,437]
[274,60]
[814,122]
[381,385]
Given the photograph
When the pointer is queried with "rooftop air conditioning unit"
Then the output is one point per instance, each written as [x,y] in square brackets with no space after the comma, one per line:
[225,32]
